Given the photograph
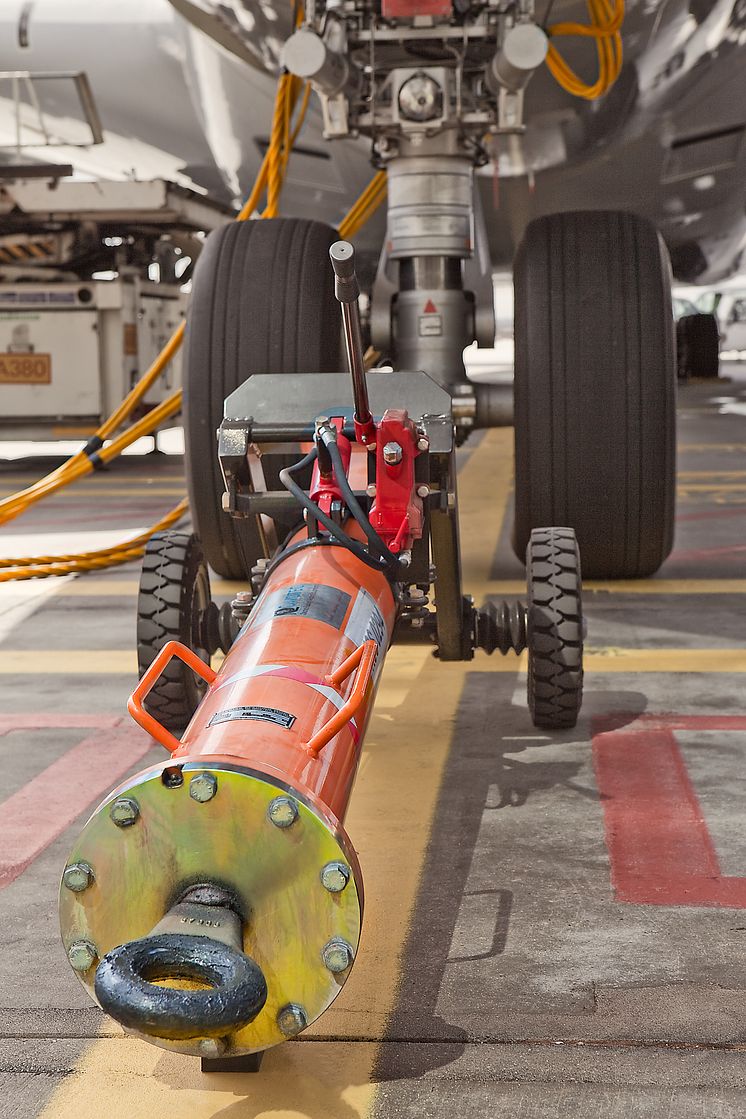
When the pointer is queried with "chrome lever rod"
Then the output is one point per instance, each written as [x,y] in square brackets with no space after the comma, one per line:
[347,291]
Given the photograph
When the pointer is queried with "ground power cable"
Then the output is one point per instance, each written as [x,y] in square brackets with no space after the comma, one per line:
[96,452]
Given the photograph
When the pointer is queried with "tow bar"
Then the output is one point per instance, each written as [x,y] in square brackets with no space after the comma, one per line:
[213,903]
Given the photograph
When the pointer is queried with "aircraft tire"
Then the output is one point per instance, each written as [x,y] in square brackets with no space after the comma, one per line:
[698,346]
[595,384]
[262,302]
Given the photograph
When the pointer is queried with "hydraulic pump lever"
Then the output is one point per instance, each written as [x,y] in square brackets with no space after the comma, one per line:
[347,291]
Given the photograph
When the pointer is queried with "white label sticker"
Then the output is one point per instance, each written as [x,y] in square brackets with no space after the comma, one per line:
[366,623]
[430,325]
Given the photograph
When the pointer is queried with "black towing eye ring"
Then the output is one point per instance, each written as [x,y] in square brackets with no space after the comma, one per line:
[125,989]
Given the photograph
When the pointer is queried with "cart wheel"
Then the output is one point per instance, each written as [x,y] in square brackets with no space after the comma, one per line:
[595,383]
[698,346]
[555,628]
[262,302]
[173,605]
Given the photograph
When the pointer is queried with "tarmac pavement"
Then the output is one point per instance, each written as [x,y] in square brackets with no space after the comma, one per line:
[554,922]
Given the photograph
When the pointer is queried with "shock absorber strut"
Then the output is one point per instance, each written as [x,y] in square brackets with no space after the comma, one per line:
[430,234]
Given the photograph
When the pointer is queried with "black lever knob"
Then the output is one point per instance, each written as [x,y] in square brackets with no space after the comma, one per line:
[346,287]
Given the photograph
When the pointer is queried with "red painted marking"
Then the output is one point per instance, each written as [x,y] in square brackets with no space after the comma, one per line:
[41,722]
[660,848]
[430,308]
[731,550]
[32,818]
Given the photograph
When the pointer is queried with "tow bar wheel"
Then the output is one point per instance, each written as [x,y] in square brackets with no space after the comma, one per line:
[554,628]
[174,604]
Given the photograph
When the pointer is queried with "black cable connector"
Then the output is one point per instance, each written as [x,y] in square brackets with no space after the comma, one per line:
[94,444]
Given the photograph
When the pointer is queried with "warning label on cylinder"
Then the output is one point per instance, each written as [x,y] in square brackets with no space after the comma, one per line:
[261,714]
[304,600]
[366,624]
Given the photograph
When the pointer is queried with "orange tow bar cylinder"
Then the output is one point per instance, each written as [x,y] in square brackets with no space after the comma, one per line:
[253,797]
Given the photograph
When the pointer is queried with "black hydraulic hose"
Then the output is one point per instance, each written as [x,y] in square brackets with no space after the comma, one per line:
[286,477]
[354,505]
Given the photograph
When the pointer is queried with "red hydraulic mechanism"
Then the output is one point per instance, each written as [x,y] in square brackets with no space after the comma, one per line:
[213,903]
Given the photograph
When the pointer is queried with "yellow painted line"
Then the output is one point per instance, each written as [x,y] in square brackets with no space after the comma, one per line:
[68,662]
[711,474]
[630,586]
[707,487]
[89,586]
[92,587]
[123,662]
[726,447]
[74,662]
[482,509]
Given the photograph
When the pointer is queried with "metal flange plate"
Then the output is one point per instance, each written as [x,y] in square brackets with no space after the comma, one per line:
[140,868]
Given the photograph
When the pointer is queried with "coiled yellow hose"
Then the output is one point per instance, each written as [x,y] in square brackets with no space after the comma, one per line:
[605,26]
[270,179]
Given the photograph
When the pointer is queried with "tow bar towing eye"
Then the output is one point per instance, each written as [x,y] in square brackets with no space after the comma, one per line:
[233,988]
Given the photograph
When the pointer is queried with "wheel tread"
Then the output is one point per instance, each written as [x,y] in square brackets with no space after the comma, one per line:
[555,628]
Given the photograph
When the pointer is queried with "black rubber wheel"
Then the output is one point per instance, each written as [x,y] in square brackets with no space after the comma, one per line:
[698,346]
[262,302]
[595,384]
[554,628]
[173,605]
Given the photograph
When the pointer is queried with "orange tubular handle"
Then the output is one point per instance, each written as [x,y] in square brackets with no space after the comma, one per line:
[135,702]
[364,659]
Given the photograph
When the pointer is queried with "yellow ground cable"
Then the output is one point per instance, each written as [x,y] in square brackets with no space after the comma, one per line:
[79,465]
[366,205]
[16,504]
[85,466]
[132,399]
[604,28]
[29,561]
[40,567]
[373,187]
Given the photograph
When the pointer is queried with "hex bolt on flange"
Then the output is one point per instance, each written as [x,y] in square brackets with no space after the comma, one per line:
[77,877]
[124,811]
[337,955]
[291,1019]
[283,812]
[82,954]
[392,454]
[212,1047]
[203,787]
[334,877]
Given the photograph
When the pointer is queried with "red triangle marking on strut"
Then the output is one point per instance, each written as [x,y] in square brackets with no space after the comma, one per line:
[430,308]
